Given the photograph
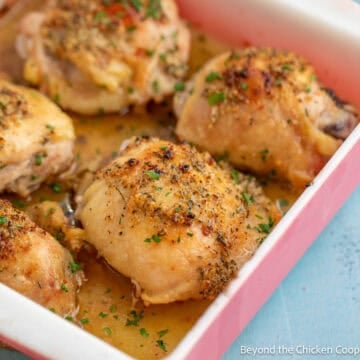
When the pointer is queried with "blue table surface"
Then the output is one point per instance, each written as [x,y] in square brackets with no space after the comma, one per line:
[316,308]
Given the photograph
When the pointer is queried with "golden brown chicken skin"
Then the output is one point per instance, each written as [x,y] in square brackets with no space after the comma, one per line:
[102,56]
[36,139]
[33,263]
[173,221]
[266,111]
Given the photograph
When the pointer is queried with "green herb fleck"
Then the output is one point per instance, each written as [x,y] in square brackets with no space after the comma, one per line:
[179,86]
[74,267]
[134,318]
[57,97]
[162,333]
[107,331]
[84,321]
[103,315]
[143,332]
[56,188]
[216,98]
[244,86]
[264,154]
[265,228]
[137,4]
[38,159]
[235,176]
[287,67]
[248,198]
[113,308]
[161,345]
[212,76]
[154,238]
[155,86]
[154,9]
[3,220]
[64,288]
[154,175]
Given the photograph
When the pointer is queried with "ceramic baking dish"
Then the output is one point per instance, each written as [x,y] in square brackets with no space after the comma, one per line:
[328,34]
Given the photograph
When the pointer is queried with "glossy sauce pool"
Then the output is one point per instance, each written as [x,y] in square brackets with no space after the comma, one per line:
[105,300]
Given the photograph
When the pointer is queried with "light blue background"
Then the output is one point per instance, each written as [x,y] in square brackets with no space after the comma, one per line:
[317,304]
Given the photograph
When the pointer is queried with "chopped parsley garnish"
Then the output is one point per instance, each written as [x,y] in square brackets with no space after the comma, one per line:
[179,86]
[162,333]
[57,98]
[154,9]
[137,4]
[189,234]
[212,76]
[264,153]
[64,288]
[154,175]
[38,159]
[155,86]
[278,81]
[266,227]
[143,332]
[150,52]
[130,90]
[3,220]
[74,267]
[84,321]
[107,331]
[244,86]
[161,345]
[308,89]
[248,198]
[131,28]
[19,203]
[103,315]
[235,176]
[216,98]
[154,238]
[69,318]
[56,188]
[113,308]
[287,67]
[134,318]
[50,127]
[102,17]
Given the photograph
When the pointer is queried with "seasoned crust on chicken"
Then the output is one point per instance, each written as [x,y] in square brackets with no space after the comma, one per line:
[36,139]
[265,109]
[173,221]
[33,263]
[101,56]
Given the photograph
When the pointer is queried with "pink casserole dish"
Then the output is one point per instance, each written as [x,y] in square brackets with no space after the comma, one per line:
[328,34]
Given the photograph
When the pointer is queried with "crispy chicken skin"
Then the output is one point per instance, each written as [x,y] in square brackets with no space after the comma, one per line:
[36,139]
[102,56]
[266,111]
[173,221]
[33,263]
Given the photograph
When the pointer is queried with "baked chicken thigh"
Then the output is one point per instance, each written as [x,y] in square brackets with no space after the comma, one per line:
[173,220]
[102,56]
[36,139]
[266,111]
[33,263]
